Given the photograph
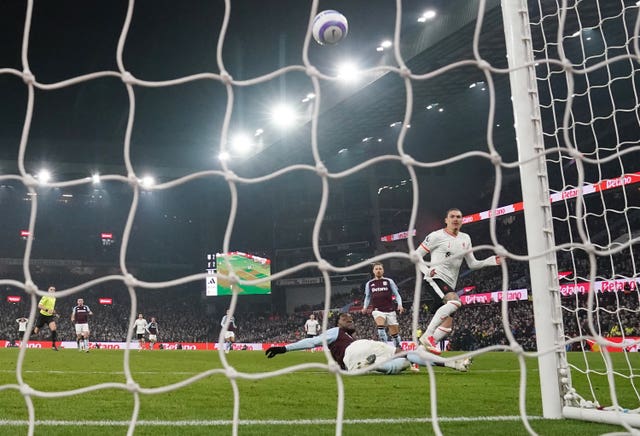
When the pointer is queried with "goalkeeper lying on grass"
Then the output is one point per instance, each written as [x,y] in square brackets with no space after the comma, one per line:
[353,355]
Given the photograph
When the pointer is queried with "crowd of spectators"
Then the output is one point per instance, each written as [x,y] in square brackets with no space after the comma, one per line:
[180,316]
[183,319]
[185,315]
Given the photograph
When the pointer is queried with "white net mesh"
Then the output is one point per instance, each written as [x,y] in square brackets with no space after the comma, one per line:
[594,111]
[596,232]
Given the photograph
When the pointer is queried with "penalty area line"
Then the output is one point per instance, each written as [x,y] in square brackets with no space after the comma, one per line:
[226,422]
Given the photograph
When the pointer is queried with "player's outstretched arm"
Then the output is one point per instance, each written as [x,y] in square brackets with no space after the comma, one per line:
[273,351]
[474,264]
[305,344]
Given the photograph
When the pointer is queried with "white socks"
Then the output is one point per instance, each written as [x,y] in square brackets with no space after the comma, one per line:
[441,314]
[441,333]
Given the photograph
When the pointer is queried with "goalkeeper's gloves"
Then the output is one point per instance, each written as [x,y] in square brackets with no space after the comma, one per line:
[273,351]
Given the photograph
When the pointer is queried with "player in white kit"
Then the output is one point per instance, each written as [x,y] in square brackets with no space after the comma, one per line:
[447,247]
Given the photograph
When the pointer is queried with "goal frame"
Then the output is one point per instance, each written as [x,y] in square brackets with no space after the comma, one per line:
[559,399]
[545,287]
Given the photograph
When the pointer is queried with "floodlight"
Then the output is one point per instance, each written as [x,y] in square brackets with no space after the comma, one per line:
[283,115]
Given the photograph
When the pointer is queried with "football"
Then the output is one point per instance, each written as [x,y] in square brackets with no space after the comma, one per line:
[329,27]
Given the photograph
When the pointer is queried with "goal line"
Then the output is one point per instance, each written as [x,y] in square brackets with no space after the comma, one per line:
[253,422]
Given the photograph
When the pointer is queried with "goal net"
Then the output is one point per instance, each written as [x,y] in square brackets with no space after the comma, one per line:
[572,67]
[586,66]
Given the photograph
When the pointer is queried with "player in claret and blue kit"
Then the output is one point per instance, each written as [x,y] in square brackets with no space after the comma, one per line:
[353,355]
[80,317]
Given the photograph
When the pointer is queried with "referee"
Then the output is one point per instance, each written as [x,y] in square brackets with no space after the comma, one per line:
[47,316]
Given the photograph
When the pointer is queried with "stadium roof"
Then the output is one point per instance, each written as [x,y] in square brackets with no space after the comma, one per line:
[81,128]
[177,129]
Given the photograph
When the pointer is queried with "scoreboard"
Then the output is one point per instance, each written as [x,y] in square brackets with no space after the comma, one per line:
[211,279]
[244,265]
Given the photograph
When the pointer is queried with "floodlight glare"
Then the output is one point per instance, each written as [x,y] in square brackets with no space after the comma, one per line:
[386,44]
[283,115]
[429,15]
[147,181]
[348,72]
[95,178]
[44,176]
[310,96]
[242,143]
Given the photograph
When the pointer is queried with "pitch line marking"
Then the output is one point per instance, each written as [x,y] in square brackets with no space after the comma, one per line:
[44,371]
[223,422]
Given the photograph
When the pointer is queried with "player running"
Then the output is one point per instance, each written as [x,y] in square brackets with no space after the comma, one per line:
[80,317]
[448,247]
[141,328]
[47,315]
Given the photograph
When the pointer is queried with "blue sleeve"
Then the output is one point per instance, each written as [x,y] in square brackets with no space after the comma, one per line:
[305,344]
[367,296]
[394,289]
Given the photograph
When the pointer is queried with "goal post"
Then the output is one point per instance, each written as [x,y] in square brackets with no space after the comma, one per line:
[597,236]
[537,205]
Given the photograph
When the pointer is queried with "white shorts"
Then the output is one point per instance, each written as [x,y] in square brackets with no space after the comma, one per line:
[153,338]
[355,356]
[390,318]
[230,335]
[82,328]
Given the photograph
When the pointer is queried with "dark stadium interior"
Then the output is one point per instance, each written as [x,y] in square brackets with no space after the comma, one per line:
[81,128]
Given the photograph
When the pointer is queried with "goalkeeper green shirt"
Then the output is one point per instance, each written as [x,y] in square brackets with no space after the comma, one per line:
[48,303]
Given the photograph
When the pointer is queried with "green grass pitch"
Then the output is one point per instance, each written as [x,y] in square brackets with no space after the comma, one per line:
[482,401]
